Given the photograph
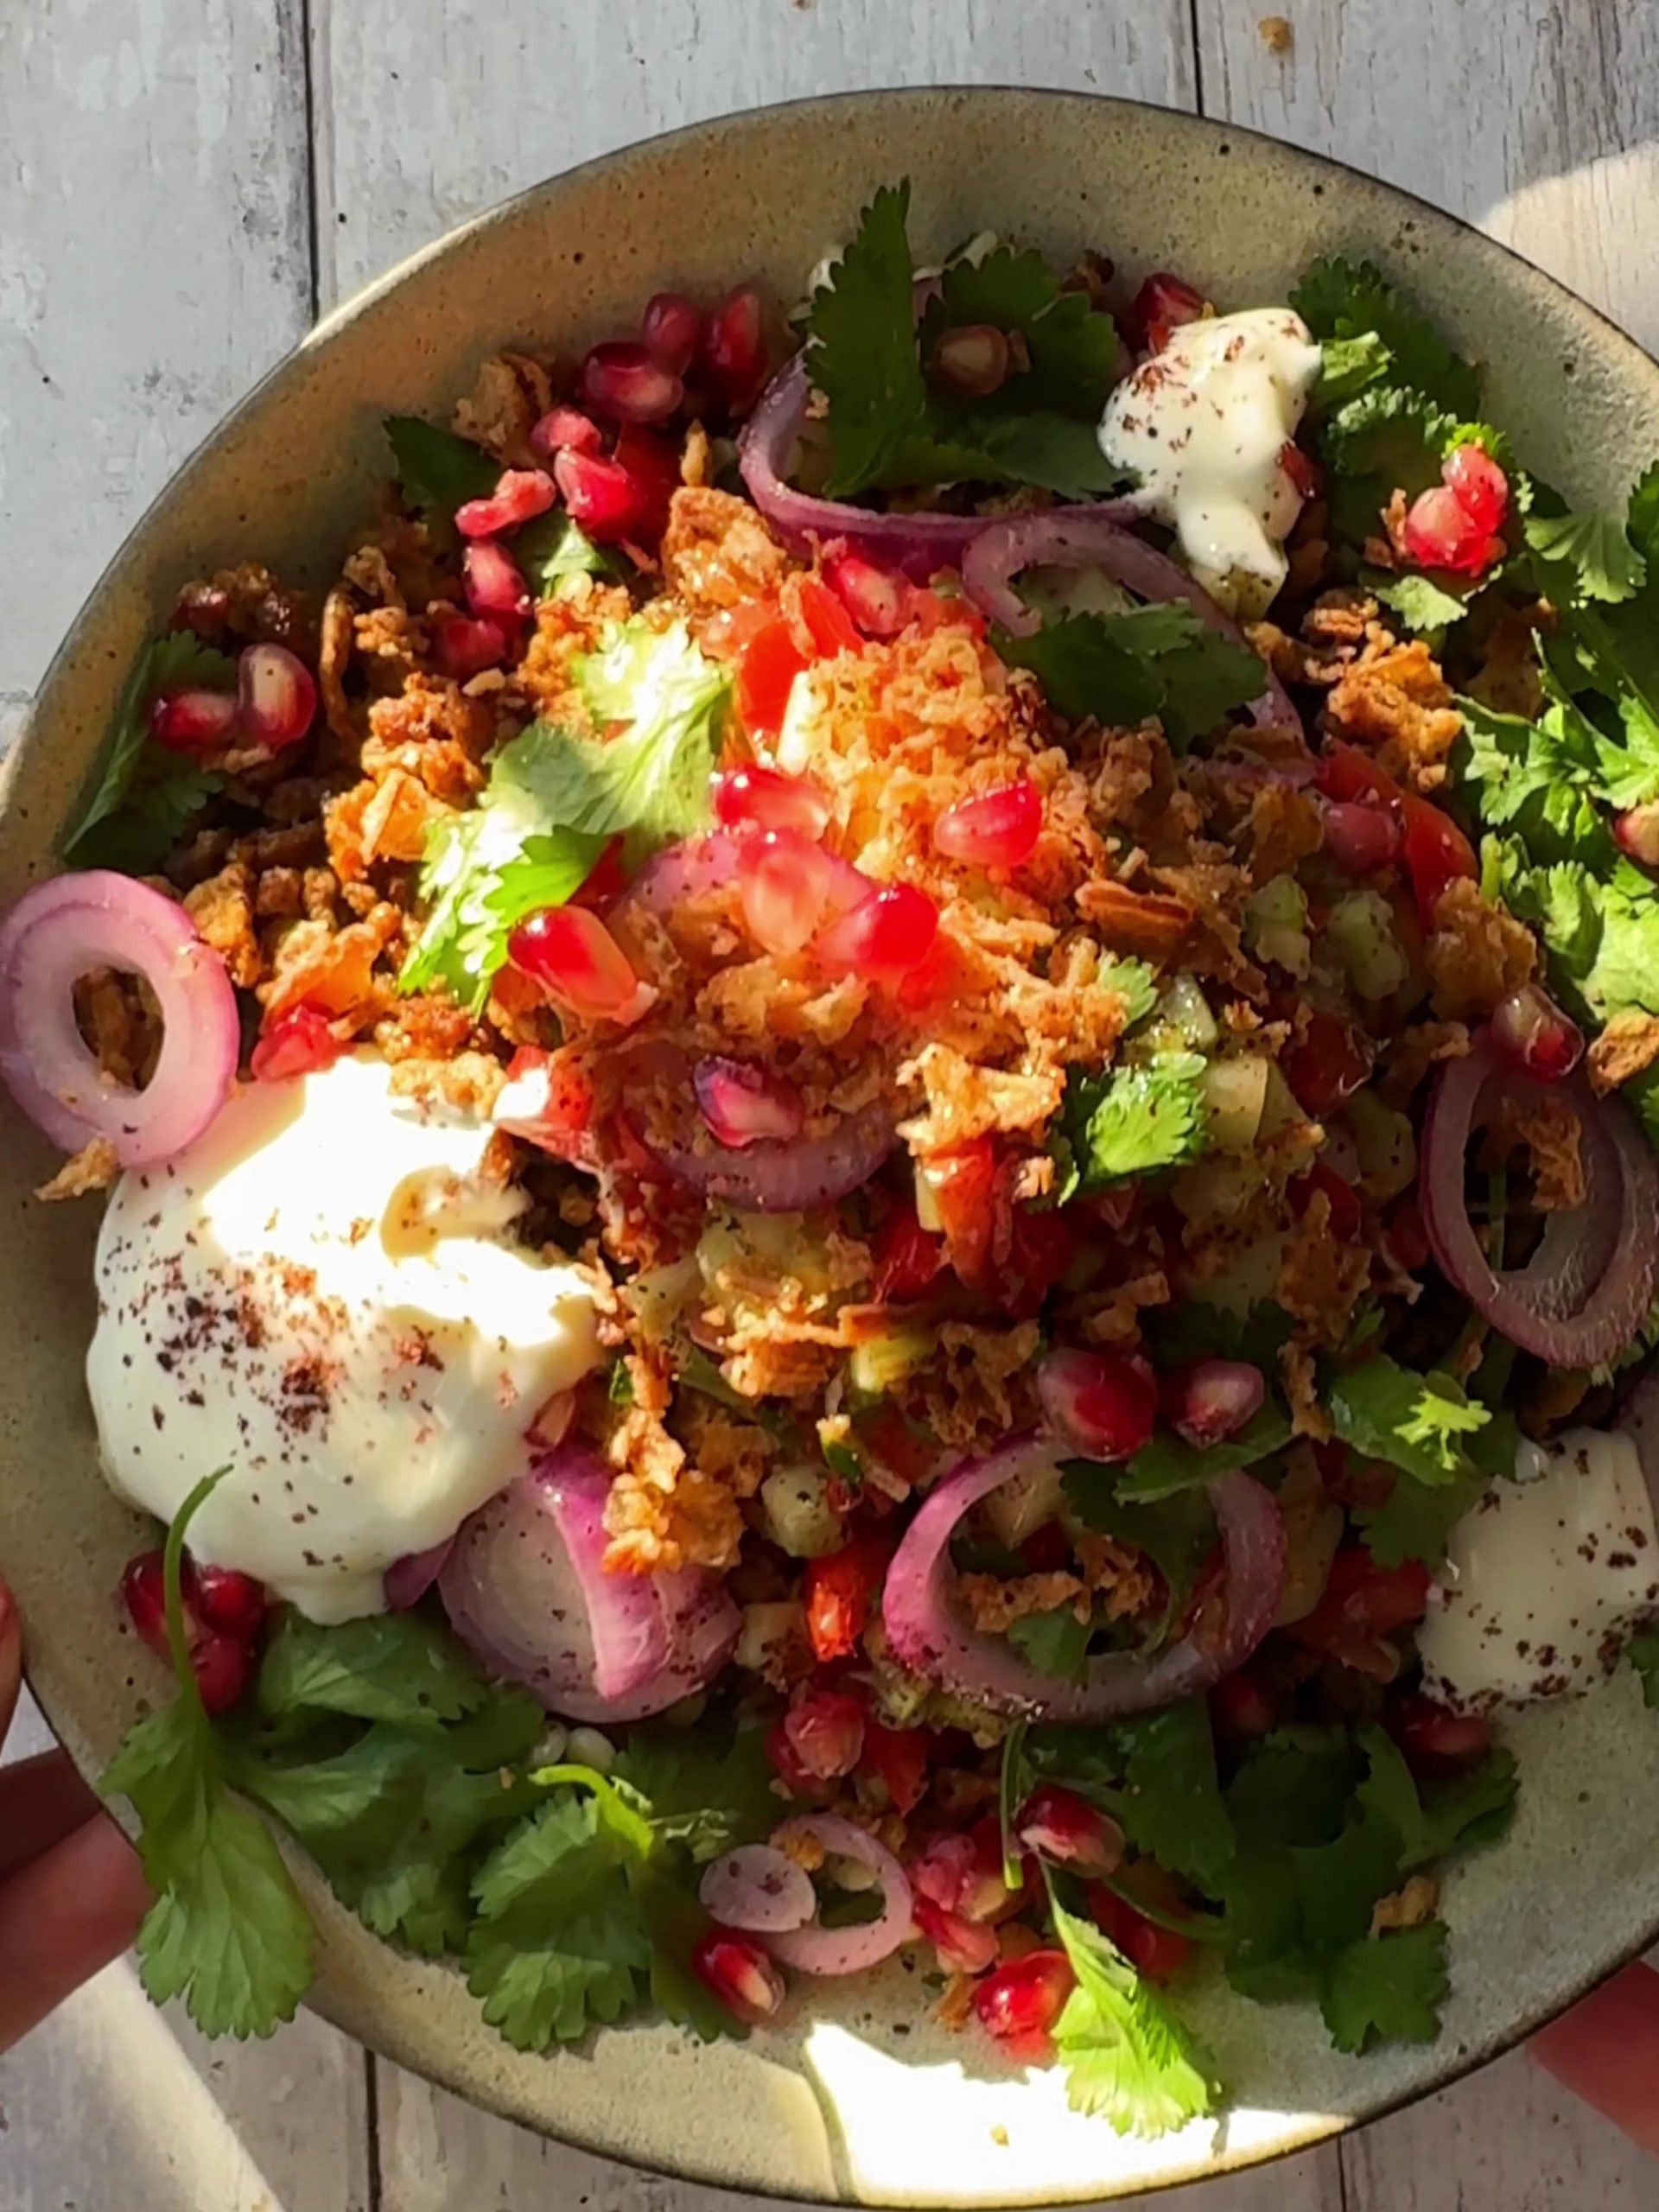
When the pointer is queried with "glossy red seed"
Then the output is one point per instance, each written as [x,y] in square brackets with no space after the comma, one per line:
[224,1668]
[671,327]
[1162,304]
[944,1871]
[1306,475]
[653,462]
[225,1600]
[143,1592]
[1021,2002]
[1213,1399]
[738,1974]
[999,829]
[495,582]
[1439,533]
[520,495]
[194,721]
[883,939]
[566,428]
[962,1946]
[1058,1825]
[1437,1741]
[571,954]
[1637,833]
[276,697]
[1480,486]
[1103,1406]
[972,360]
[906,1257]
[825,1731]
[1361,839]
[782,883]
[1530,1030]
[744,1105]
[878,601]
[731,354]
[897,1759]
[610,504]
[1404,1236]
[466,645]
[1241,1709]
[1155,1952]
[629,384]
[300,1042]
[765,798]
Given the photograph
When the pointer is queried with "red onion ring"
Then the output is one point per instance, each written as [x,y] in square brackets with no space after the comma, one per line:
[57,932]
[408,1580]
[1089,537]
[680,872]
[816,1949]
[1591,1284]
[928,1634]
[792,1177]
[759,1889]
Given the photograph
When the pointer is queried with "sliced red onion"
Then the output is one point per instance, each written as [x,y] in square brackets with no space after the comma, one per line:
[767,1177]
[1591,1284]
[695,866]
[816,1949]
[759,1889]
[744,1106]
[409,1579]
[60,932]
[1089,537]
[527,1591]
[930,1634]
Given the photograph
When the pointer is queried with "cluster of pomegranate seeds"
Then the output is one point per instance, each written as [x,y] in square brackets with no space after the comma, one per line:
[999,829]
[1060,1826]
[1456,524]
[1163,303]
[571,954]
[223,1613]
[1637,834]
[300,1042]
[736,1971]
[765,798]
[973,360]
[626,382]
[962,1946]
[495,582]
[602,495]
[1213,1399]
[466,645]
[274,706]
[1105,1406]
[744,1105]
[964,1874]
[1361,839]
[681,359]
[824,1730]
[1021,2002]
[1435,1739]
[1531,1030]
[883,939]
[519,496]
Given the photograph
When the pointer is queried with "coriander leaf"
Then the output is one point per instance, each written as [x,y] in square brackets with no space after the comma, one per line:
[1642,1652]
[1056,453]
[1119,670]
[1422,602]
[1415,1522]
[1170,1464]
[1348,366]
[707,1787]
[386,1667]
[555,547]
[438,471]
[651,780]
[1295,1787]
[1135,983]
[1642,514]
[1086,672]
[1388,1987]
[1056,1643]
[1595,549]
[1416,1422]
[1156,1775]
[1346,300]
[1193,1331]
[1075,352]
[1178,1533]
[1129,1120]
[863,357]
[676,1923]
[1466,1812]
[1128,2059]
[145,795]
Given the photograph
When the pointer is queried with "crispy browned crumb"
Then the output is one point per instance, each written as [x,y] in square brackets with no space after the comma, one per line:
[1477,954]
[94,1168]
[1628,1047]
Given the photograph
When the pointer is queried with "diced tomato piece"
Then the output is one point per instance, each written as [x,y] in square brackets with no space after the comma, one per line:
[901,1451]
[1346,772]
[1346,1213]
[907,1257]
[1408,1239]
[825,620]
[1328,1064]
[1157,1953]
[767,666]
[1042,1250]
[840,1591]
[654,465]
[897,1758]
[1436,853]
[1302,469]
[963,1185]
[1363,1604]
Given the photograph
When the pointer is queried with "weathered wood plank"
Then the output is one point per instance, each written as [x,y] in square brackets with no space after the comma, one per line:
[154,261]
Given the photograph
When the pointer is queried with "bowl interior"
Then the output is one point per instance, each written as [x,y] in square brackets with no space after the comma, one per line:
[866,2100]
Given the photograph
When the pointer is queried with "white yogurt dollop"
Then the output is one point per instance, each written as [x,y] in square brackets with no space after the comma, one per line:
[319,1294]
[1546,1577]
[1203,424]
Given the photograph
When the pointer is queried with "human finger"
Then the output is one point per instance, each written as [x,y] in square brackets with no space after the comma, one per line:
[42,1801]
[1606,2050]
[62,1917]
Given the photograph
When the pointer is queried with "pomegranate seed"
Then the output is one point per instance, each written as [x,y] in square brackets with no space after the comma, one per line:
[825,1731]
[878,602]
[765,798]
[1435,1739]
[223,1666]
[194,722]
[794,1776]
[608,502]
[1156,1952]
[466,645]
[495,582]
[783,881]
[519,496]
[1637,833]
[566,429]
[1161,305]
[144,1592]
[1021,2002]
[944,1872]
[1103,1406]
[1213,1399]
[673,329]
[624,381]
[571,954]
[1440,534]
[1405,1240]
[730,355]
[1480,486]
[300,1042]
[225,1600]
[963,1946]
[1361,839]
[1060,1826]
[277,695]
[1241,1709]
[1307,477]
[972,359]
[1000,829]
[1531,1030]
[742,1105]
[883,939]
[654,464]
[548,1100]
[740,1974]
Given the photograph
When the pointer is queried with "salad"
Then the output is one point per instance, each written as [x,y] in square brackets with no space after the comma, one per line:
[880,1147]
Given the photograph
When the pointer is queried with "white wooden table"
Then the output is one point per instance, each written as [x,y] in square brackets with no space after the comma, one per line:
[184,185]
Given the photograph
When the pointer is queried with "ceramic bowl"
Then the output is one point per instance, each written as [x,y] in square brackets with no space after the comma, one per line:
[861,2099]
